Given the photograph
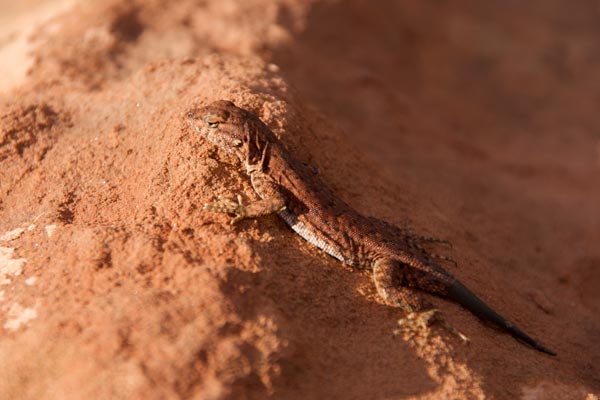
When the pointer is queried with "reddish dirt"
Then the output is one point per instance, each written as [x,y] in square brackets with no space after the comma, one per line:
[476,121]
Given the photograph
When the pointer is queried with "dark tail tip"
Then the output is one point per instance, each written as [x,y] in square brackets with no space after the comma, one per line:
[474,304]
[543,349]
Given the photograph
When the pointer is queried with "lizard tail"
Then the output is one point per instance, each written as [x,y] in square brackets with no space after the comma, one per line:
[469,300]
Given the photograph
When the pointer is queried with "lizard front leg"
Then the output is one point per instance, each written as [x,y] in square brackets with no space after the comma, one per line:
[272,200]
[252,210]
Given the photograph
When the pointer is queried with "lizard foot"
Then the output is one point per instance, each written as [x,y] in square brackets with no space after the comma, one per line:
[443,258]
[433,239]
[224,205]
[416,239]
[416,324]
[427,239]
[415,245]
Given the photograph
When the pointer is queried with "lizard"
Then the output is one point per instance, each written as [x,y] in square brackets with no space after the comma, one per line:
[400,263]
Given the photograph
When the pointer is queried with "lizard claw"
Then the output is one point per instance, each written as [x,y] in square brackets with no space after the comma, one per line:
[240,211]
[427,239]
[420,321]
[228,206]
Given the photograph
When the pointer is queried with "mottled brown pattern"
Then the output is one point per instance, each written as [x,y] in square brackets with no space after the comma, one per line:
[292,190]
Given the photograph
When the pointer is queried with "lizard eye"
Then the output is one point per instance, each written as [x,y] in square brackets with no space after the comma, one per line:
[213,120]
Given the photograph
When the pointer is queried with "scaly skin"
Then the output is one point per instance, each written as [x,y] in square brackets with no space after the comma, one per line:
[296,193]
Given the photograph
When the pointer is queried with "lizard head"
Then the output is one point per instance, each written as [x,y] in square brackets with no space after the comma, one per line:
[222,123]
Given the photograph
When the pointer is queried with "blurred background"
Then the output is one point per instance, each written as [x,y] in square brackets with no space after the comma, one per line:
[475,120]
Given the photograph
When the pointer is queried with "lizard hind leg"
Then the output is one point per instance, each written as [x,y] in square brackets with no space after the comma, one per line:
[419,312]
[440,257]
[389,285]
[429,239]
[424,239]
[431,256]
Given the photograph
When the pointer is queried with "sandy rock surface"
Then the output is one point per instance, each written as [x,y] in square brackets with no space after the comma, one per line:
[474,121]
